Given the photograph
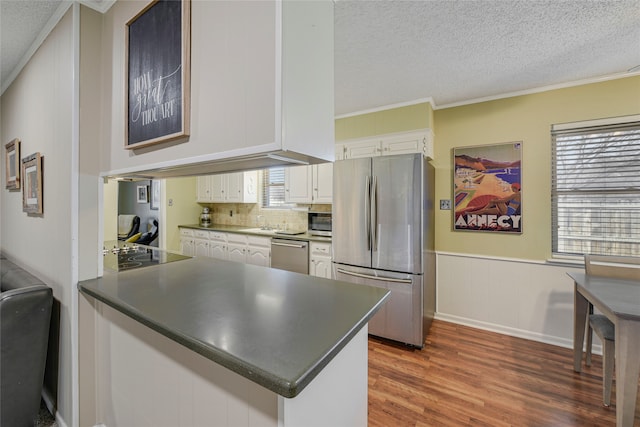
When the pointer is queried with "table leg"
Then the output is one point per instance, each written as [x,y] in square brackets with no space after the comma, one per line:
[580,309]
[627,370]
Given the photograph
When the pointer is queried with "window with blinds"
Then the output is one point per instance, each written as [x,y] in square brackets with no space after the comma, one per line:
[596,188]
[273,188]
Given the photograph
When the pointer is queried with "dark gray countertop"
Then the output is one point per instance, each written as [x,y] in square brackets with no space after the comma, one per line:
[274,327]
[244,229]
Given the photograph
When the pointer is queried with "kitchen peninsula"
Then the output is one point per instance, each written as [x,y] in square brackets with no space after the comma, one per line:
[256,346]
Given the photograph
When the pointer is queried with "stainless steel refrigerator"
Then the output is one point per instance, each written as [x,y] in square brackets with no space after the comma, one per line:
[383,236]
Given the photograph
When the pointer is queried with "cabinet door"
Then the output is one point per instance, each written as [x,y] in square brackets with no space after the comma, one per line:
[217,245]
[218,188]
[320,260]
[237,252]
[259,256]
[369,148]
[320,267]
[412,143]
[218,250]
[187,246]
[250,187]
[203,189]
[323,183]
[234,187]
[201,247]
[297,184]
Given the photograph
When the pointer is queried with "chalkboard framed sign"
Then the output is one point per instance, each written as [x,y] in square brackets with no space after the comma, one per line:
[158,73]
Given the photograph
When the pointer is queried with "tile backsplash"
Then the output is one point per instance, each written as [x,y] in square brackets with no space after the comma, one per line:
[252,215]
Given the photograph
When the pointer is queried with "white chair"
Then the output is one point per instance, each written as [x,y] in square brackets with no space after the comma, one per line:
[614,267]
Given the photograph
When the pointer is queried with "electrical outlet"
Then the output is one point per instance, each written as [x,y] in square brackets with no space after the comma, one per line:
[445,205]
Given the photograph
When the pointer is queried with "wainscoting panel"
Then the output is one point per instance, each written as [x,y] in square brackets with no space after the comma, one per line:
[527,299]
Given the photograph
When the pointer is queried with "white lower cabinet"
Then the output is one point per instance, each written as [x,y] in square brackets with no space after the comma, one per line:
[201,242]
[259,251]
[218,245]
[187,243]
[320,259]
[247,249]
[237,247]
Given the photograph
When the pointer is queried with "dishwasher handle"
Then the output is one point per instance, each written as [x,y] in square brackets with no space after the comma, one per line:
[289,245]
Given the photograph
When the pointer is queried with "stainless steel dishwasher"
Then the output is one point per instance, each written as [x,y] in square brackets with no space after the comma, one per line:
[290,255]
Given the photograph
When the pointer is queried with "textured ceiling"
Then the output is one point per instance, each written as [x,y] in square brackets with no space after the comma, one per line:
[20,24]
[453,51]
[393,52]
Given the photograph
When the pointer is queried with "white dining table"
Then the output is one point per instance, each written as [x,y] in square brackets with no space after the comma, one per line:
[619,300]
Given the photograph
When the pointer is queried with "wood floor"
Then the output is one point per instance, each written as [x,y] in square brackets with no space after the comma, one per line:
[469,377]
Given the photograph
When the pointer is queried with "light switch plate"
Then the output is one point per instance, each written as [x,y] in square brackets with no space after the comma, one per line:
[445,205]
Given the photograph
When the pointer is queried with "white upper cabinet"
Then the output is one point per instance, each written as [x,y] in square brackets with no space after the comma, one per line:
[298,185]
[420,141]
[239,187]
[309,184]
[323,183]
[218,184]
[255,66]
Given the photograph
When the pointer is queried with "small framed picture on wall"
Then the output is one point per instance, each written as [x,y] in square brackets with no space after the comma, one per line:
[142,194]
[32,188]
[12,164]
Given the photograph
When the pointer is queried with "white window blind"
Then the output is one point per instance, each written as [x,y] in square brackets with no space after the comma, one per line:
[596,189]
[273,188]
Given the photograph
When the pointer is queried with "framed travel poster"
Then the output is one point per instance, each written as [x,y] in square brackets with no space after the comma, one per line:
[158,73]
[487,184]
[32,184]
[12,164]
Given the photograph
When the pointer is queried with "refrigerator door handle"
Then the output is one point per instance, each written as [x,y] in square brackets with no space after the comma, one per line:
[374,214]
[367,276]
[367,214]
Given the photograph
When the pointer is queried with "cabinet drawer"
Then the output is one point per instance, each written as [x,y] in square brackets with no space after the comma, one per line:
[321,249]
[237,238]
[259,241]
[216,235]
[186,232]
[201,234]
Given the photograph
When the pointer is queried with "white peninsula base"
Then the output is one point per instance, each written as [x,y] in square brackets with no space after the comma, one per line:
[141,378]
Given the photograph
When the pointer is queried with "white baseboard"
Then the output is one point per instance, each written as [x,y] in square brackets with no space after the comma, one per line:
[48,401]
[513,332]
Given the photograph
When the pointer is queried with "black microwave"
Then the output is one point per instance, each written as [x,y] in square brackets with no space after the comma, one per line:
[319,223]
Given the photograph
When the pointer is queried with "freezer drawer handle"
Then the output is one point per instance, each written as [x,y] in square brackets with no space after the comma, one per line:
[289,245]
[367,276]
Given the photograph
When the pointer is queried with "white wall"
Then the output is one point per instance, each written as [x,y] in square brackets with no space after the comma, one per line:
[37,109]
[232,76]
[527,299]
[255,66]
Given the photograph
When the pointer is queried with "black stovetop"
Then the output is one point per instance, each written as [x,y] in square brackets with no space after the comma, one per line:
[121,256]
